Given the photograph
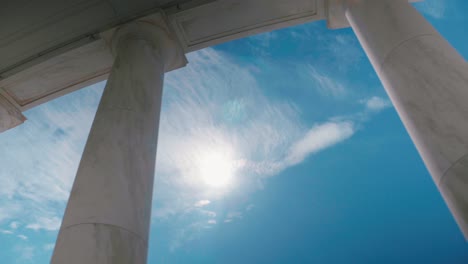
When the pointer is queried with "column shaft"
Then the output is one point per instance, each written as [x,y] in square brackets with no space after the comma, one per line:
[108,214]
[427,81]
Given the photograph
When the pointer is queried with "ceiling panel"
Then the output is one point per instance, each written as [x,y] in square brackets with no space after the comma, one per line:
[225,20]
[52,47]
[62,74]
[29,29]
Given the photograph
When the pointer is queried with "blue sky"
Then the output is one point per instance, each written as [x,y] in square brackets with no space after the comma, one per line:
[322,170]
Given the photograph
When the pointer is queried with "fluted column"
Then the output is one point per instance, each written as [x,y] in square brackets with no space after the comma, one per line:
[427,81]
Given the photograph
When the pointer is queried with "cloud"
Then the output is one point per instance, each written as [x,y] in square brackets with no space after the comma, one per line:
[234,215]
[212,221]
[23,237]
[8,209]
[376,103]
[48,247]
[213,106]
[219,109]
[209,213]
[6,232]
[433,8]
[25,252]
[186,234]
[14,225]
[325,84]
[344,50]
[318,138]
[202,203]
[223,111]
[50,224]
[40,158]
[261,44]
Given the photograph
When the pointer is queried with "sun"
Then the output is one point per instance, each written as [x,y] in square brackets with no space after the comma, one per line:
[216,169]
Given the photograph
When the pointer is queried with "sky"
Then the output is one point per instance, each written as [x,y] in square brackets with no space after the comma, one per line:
[312,163]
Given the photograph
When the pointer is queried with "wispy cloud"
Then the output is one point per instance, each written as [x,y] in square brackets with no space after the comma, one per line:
[48,247]
[6,232]
[318,138]
[217,106]
[212,107]
[250,207]
[25,253]
[14,225]
[234,215]
[433,8]
[46,223]
[344,50]
[186,234]
[223,110]
[40,158]
[9,208]
[325,84]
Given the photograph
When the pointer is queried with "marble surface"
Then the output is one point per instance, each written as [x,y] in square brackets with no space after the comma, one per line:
[107,243]
[60,75]
[454,188]
[336,13]
[427,81]
[109,209]
[215,22]
[10,116]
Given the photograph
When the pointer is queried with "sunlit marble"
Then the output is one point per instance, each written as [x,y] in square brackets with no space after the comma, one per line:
[108,214]
[427,81]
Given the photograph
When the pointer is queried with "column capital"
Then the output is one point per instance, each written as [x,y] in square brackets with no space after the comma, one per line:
[153,29]
[10,116]
[336,12]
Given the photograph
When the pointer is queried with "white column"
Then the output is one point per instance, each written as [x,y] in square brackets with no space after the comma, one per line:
[108,214]
[427,81]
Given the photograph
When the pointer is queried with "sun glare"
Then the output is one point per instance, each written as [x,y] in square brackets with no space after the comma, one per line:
[216,169]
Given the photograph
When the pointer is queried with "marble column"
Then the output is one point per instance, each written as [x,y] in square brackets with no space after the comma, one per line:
[107,218]
[427,81]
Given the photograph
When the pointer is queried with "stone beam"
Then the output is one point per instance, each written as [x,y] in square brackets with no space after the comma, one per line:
[10,116]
